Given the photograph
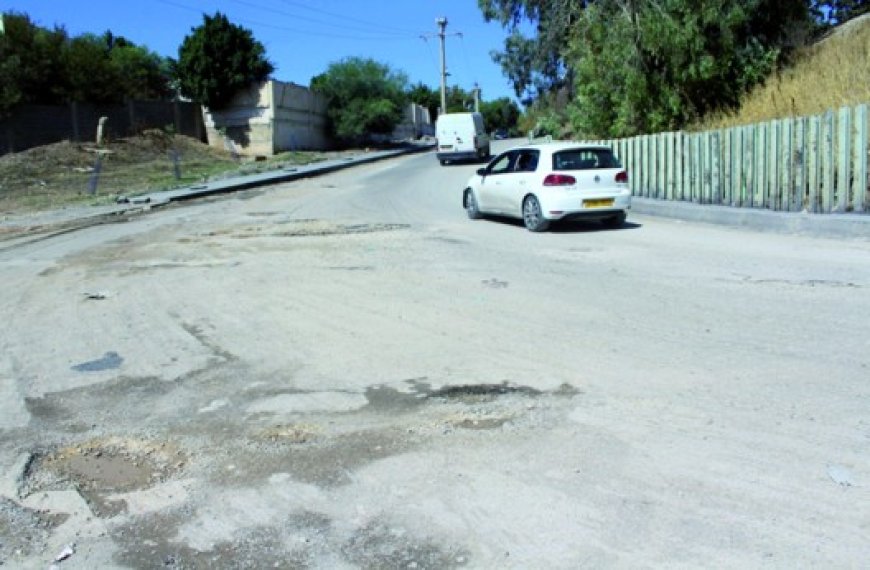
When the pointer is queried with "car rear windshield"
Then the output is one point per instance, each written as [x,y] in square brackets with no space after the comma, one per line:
[584,159]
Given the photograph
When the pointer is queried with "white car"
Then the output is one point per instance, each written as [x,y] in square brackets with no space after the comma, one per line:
[542,183]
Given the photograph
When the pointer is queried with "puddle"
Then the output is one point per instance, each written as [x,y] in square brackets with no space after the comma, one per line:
[109,361]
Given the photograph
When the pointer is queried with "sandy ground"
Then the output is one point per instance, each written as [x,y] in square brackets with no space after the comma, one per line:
[344,372]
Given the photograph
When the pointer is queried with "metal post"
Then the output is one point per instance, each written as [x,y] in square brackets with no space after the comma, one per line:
[95,174]
[442,23]
[175,157]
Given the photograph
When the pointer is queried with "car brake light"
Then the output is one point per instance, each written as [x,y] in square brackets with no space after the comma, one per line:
[559,180]
[622,177]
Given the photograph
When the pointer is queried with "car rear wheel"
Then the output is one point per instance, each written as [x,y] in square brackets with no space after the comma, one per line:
[533,218]
[616,221]
[471,206]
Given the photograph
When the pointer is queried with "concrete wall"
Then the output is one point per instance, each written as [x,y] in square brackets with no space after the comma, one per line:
[245,126]
[417,123]
[300,118]
[269,118]
[274,117]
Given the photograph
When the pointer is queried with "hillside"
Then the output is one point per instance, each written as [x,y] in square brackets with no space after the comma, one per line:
[834,72]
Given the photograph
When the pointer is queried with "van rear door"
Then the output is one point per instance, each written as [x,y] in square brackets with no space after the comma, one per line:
[455,133]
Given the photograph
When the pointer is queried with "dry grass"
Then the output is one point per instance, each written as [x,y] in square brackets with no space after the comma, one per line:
[833,73]
[61,174]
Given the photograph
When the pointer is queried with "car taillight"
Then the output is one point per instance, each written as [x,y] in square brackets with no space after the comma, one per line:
[622,177]
[559,180]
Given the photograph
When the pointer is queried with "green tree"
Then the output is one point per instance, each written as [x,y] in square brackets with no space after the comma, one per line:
[633,66]
[644,66]
[219,59]
[142,74]
[44,66]
[459,100]
[535,65]
[502,113]
[364,97]
[422,94]
[89,71]
[31,69]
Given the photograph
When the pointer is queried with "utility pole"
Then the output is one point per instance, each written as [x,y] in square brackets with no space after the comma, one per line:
[442,23]
[476,98]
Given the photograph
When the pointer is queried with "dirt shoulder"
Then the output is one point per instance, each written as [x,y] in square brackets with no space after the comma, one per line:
[72,174]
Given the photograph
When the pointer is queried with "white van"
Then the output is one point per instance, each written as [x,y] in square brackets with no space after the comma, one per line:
[461,136]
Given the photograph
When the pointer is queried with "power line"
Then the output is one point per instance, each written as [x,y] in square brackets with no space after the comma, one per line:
[431,53]
[370,27]
[465,58]
[378,25]
[295,30]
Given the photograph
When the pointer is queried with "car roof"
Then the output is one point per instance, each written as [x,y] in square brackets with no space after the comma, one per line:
[556,146]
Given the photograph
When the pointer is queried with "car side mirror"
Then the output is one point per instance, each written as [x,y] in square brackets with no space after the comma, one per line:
[482,172]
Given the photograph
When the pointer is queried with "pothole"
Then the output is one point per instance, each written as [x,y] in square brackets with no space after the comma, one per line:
[102,467]
[303,228]
[340,229]
[386,398]
[480,423]
[294,434]
[474,393]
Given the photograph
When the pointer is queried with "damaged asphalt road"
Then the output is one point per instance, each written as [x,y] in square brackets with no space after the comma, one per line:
[345,372]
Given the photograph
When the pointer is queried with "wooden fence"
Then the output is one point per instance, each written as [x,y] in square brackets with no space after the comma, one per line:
[815,164]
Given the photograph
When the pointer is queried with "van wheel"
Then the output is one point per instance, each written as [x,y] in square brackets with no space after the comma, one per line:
[443,163]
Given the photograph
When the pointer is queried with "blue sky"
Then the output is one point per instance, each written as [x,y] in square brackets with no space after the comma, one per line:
[302,37]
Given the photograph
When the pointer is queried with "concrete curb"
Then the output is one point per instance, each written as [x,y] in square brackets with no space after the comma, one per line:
[275,177]
[851,226]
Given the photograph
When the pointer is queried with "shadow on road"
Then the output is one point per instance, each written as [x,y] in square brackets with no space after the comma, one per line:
[569,227]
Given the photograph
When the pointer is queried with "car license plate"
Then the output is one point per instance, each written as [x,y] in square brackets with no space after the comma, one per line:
[598,203]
